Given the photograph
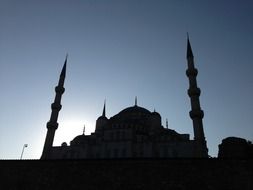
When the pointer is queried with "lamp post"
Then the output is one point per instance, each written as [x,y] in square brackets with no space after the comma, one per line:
[25,145]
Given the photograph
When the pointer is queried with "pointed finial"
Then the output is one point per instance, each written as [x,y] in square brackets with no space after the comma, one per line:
[63,71]
[154,110]
[135,103]
[167,125]
[104,109]
[83,129]
[189,49]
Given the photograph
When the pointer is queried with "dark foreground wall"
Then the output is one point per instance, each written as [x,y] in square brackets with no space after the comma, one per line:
[123,174]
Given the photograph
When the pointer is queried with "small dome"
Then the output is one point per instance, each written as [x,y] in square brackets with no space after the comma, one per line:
[78,140]
[64,144]
[102,118]
[156,114]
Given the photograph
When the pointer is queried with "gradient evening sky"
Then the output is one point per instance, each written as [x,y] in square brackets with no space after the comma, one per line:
[119,49]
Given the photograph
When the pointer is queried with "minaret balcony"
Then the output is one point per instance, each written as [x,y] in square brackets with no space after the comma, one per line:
[194,91]
[59,89]
[56,106]
[192,72]
[51,125]
[196,114]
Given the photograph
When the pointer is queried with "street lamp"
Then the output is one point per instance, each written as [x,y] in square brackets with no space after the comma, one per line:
[25,145]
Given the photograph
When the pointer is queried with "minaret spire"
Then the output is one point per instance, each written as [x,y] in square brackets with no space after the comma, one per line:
[52,124]
[135,101]
[63,71]
[196,113]
[189,48]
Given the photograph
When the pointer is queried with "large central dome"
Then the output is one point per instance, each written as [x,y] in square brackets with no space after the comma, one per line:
[134,109]
[134,114]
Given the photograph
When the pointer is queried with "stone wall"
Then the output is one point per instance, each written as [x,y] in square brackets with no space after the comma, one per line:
[123,174]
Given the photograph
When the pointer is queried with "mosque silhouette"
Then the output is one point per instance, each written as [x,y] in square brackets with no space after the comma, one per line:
[134,132]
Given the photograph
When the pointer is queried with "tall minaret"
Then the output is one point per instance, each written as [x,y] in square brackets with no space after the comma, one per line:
[52,124]
[196,113]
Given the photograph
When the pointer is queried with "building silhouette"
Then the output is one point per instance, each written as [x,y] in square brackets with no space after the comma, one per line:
[235,147]
[134,132]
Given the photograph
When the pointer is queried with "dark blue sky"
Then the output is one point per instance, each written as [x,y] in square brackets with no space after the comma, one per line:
[118,50]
